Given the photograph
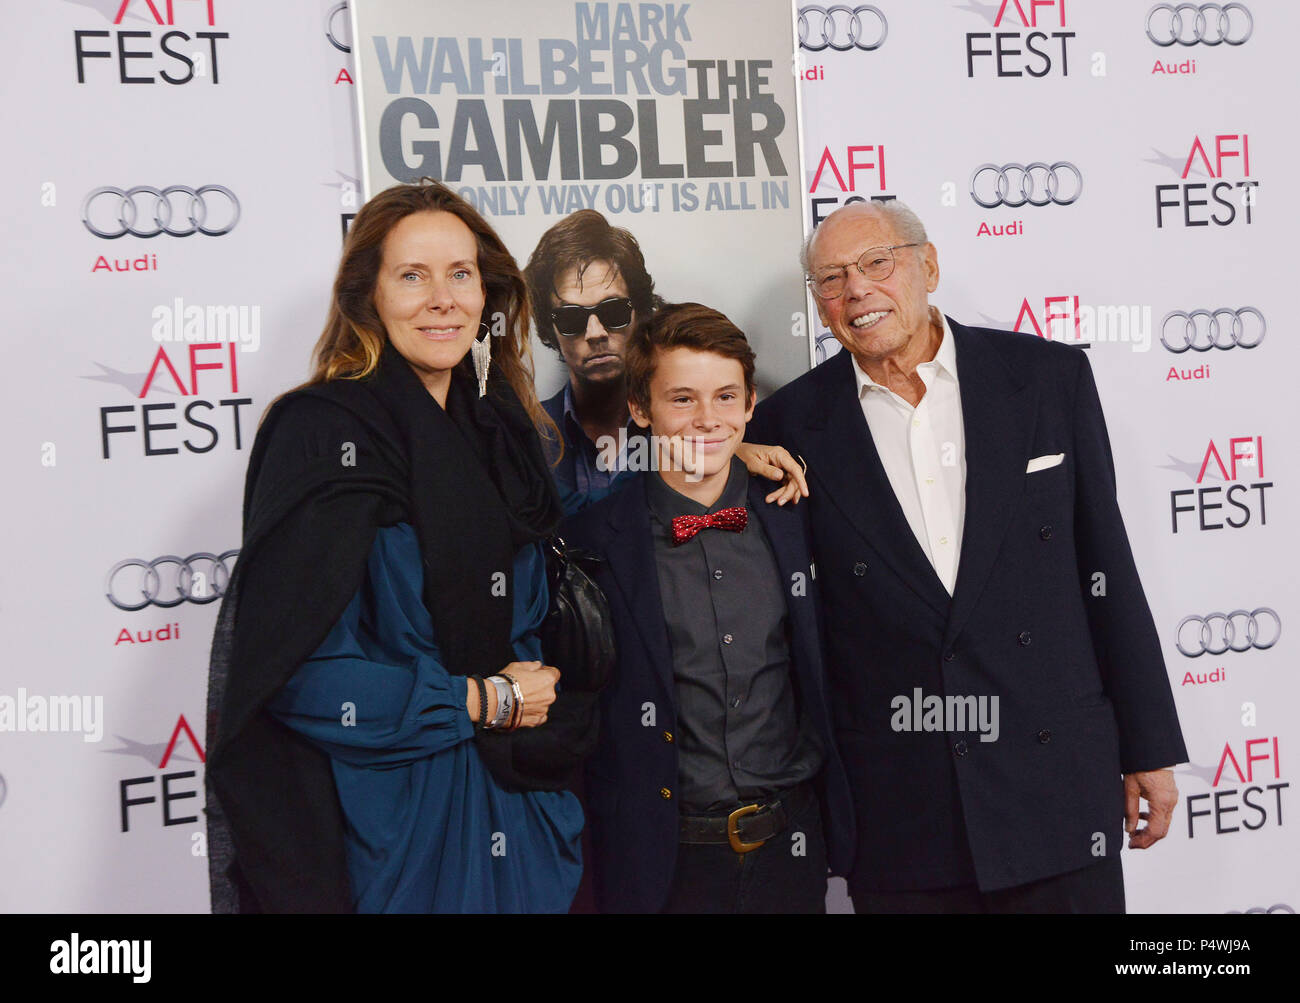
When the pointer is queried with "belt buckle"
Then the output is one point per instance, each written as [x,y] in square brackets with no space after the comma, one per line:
[733,829]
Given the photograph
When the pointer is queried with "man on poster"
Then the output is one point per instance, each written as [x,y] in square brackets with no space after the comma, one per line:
[589,288]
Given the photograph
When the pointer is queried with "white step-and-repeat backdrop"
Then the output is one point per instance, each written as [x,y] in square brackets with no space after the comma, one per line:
[1110,174]
[180,177]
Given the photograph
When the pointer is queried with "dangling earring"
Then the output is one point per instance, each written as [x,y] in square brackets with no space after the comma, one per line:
[481,352]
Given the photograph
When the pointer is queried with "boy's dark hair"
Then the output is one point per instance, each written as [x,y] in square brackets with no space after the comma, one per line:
[683,325]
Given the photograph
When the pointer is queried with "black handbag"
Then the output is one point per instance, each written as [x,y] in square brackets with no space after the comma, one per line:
[577,637]
[578,632]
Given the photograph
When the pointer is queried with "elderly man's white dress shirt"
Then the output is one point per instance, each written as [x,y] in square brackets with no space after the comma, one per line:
[923,451]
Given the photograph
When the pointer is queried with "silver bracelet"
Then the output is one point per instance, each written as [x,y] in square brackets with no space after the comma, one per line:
[504,700]
[518,717]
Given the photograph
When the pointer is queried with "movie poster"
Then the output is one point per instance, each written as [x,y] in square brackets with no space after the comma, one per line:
[675,121]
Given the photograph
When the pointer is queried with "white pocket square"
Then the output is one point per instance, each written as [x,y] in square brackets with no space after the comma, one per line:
[1044,462]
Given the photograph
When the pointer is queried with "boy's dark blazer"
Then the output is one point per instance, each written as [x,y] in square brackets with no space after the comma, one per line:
[631,780]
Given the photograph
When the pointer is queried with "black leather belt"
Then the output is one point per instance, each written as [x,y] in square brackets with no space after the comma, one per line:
[749,826]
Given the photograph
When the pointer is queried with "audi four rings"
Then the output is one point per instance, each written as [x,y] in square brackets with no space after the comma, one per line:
[1167,30]
[1202,337]
[335,11]
[1215,640]
[129,213]
[1018,184]
[823,28]
[148,589]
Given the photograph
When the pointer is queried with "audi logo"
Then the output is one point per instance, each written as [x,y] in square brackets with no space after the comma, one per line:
[841,28]
[145,587]
[1034,184]
[134,218]
[335,11]
[1201,330]
[1278,907]
[1168,29]
[1218,632]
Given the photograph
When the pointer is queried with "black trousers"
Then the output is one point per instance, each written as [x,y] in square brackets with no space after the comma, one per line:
[787,874]
[1095,889]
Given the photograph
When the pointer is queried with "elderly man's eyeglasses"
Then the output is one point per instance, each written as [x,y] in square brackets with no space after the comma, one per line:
[876,263]
[614,313]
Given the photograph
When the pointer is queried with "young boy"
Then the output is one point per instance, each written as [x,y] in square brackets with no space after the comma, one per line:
[716,765]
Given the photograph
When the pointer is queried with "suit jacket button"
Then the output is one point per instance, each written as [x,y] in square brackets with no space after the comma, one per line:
[948,656]
[960,748]
[859,569]
[668,736]
[1044,737]
[665,793]
[1024,638]
[1045,533]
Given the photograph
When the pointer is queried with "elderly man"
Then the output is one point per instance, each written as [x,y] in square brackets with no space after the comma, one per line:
[1000,697]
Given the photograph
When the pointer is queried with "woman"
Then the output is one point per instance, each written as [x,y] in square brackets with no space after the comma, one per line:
[387,737]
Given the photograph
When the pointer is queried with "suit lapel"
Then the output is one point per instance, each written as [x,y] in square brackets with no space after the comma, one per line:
[780,534]
[790,548]
[842,456]
[632,562]
[998,417]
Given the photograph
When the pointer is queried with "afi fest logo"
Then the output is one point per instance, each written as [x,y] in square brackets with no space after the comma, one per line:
[856,175]
[134,51]
[208,423]
[164,789]
[1239,466]
[1029,39]
[1220,199]
[1066,319]
[1233,809]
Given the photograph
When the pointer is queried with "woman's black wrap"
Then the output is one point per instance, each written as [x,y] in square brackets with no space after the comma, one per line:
[331,464]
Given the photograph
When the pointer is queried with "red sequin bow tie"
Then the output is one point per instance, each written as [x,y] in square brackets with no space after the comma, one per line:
[686,526]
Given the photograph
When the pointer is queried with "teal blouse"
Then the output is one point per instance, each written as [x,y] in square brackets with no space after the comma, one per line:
[428,828]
